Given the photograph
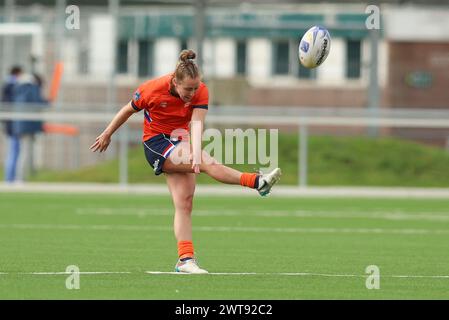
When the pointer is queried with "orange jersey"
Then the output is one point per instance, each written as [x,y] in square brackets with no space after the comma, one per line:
[164,112]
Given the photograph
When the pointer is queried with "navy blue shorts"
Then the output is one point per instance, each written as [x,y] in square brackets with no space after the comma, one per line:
[157,149]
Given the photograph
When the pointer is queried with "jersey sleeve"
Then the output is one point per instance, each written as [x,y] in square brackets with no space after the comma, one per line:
[202,101]
[140,97]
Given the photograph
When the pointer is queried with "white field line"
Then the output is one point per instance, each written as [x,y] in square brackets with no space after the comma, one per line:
[70,273]
[298,274]
[65,273]
[228,229]
[301,274]
[396,215]
[222,190]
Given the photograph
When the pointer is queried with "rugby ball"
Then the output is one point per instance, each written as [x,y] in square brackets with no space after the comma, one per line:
[314,47]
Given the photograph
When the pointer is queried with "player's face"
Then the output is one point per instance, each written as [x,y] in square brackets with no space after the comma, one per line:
[187,88]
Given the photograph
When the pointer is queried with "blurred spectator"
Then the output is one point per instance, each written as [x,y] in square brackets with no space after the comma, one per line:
[31,93]
[12,154]
[23,92]
[8,91]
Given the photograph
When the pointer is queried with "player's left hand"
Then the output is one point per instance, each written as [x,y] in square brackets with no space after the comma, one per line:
[195,165]
[196,168]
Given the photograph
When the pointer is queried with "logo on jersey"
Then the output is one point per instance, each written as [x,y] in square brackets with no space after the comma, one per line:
[155,164]
[187,105]
[163,104]
[136,96]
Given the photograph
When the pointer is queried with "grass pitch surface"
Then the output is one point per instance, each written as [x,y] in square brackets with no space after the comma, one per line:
[255,248]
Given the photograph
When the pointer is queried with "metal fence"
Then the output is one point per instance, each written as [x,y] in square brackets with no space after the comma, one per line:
[72,151]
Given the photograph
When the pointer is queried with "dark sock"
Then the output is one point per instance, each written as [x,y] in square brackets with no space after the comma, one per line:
[186,258]
[256,183]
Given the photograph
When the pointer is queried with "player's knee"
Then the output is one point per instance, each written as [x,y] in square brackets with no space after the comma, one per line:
[206,168]
[186,204]
[189,203]
[207,159]
[208,164]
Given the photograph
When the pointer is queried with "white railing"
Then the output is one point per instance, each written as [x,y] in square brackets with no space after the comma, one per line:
[302,122]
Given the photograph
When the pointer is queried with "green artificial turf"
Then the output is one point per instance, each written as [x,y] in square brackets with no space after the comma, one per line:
[325,243]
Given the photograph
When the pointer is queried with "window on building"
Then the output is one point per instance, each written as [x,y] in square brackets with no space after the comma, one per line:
[241,58]
[184,44]
[83,57]
[353,64]
[83,61]
[281,57]
[306,73]
[122,56]
[146,58]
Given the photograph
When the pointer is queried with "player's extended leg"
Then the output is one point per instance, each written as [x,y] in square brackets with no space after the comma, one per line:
[179,161]
[182,188]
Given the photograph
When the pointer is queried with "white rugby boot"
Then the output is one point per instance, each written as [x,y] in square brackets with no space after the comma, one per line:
[189,266]
[267,181]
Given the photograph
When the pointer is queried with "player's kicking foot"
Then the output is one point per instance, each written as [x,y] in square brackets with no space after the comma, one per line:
[267,181]
[189,266]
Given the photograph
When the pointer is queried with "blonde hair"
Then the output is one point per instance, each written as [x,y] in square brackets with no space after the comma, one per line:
[186,67]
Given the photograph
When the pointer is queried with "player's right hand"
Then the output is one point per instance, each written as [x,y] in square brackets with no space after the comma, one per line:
[101,142]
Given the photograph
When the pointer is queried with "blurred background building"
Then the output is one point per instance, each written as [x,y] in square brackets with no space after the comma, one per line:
[251,45]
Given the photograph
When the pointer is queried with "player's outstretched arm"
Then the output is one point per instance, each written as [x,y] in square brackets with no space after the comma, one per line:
[196,128]
[104,139]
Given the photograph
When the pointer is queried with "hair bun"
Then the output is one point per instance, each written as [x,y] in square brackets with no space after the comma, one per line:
[186,66]
[186,55]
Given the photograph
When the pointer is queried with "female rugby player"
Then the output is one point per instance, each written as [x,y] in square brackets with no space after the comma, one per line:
[171,104]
